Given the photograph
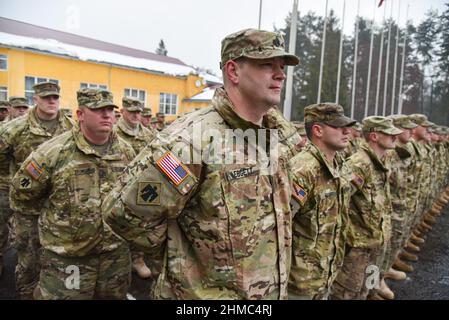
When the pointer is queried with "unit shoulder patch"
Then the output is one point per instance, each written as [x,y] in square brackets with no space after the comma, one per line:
[149,193]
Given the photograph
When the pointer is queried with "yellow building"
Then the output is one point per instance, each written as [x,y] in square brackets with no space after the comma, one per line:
[30,54]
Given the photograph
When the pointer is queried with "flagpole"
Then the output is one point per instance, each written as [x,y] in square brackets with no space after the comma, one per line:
[387,63]
[340,54]
[395,60]
[379,69]
[323,46]
[402,64]
[291,49]
[354,72]
[370,61]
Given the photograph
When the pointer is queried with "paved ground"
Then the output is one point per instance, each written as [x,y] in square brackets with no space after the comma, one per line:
[430,279]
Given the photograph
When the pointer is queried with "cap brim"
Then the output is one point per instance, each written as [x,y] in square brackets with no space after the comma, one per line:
[290,59]
[133,109]
[391,131]
[412,126]
[104,105]
[341,122]
[48,93]
[21,105]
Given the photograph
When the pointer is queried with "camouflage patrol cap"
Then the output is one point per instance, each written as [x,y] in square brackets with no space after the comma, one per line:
[132,104]
[357,126]
[44,89]
[153,120]
[16,102]
[255,44]
[160,114]
[300,127]
[420,120]
[146,112]
[4,104]
[328,113]
[402,121]
[95,98]
[380,124]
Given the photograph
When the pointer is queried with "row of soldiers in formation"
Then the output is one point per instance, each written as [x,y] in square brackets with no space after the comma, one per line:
[346,204]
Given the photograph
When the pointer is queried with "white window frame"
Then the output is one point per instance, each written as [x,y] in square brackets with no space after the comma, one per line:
[93,86]
[170,108]
[4,57]
[5,91]
[30,92]
[135,93]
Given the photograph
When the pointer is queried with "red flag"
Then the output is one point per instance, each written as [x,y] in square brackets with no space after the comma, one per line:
[380,3]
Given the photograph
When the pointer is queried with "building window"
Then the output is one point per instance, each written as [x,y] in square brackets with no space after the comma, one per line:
[3,62]
[168,103]
[93,86]
[3,93]
[30,82]
[137,94]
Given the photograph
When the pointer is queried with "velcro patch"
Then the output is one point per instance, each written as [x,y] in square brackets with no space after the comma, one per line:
[149,193]
[34,169]
[357,180]
[299,193]
[172,168]
[24,182]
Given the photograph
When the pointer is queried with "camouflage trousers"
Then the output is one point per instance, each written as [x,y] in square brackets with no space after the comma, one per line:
[398,237]
[104,275]
[352,281]
[5,216]
[28,254]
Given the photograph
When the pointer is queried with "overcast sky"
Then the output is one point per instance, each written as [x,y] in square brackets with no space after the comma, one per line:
[192,29]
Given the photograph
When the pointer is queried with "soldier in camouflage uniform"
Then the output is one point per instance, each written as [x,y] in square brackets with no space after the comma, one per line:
[400,160]
[19,138]
[4,111]
[65,180]
[299,125]
[369,212]
[320,202]
[128,127]
[19,107]
[221,225]
[355,140]
[5,211]
[160,121]
[146,118]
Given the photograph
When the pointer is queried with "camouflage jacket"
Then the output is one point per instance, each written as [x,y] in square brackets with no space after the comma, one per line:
[23,135]
[222,227]
[370,206]
[320,204]
[65,180]
[353,147]
[137,140]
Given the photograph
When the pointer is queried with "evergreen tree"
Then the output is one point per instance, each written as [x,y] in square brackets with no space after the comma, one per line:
[161,49]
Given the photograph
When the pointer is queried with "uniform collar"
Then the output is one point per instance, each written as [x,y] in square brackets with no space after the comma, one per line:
[126,128]
[321,158]
[373,156]
[114,152]
[36,127]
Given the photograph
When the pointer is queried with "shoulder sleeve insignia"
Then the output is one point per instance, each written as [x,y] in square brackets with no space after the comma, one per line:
[172,168]
[149,193]
[34,169]
[299,193]
[24,182]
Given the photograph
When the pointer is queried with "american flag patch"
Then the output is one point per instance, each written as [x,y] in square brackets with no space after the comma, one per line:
[34,169]
[299,193]
[357,180]
[172,168]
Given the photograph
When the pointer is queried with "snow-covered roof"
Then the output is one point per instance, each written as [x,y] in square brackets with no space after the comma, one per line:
[205,95]
[93,55]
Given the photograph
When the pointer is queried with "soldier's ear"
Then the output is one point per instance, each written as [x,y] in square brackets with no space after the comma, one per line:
[231,70]
[80,114]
